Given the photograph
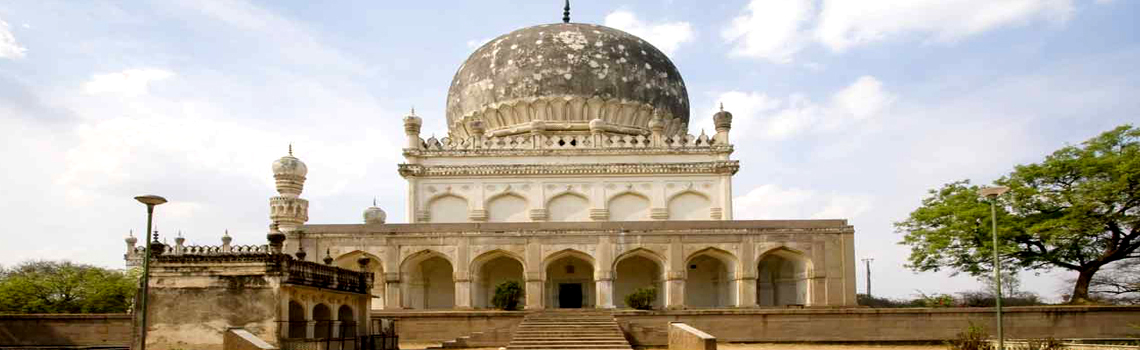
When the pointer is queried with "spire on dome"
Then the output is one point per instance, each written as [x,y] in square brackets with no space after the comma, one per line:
[291,146]
[566,13]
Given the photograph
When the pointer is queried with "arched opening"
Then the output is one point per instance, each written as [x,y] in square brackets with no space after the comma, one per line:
[710,280]
[297,322]
[347,321]
[323,316]
[570,280]
[782,279]
[629,207]
[689,206]
[449,208]
[569,207]
[430,283]
[350,261]
[635,271]
[507,208]
[490,270]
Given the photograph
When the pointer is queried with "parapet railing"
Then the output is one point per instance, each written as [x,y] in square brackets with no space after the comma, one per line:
[308,273]
[594,141]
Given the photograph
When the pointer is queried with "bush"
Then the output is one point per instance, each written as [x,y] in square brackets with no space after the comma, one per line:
[642,298]
[1049,343]
[974,338]
[507,295]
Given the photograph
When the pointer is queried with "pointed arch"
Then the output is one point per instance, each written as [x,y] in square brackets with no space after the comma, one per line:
[508,206]
[448,207]
[689,205]
[565,253]
[429,280]
[783,277]
[638,268]
[628,206]
[569,276]
[710,278]
[568,206]
[490,269]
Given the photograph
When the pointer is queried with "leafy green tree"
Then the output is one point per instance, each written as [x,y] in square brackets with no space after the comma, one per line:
[507,295]
[65,287]
[1079,210]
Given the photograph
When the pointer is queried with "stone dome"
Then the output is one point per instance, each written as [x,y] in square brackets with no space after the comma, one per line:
[289,165]
[374,215]
[566,75]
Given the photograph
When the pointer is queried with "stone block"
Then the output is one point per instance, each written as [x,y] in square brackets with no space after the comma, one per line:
[685,337]
[241,339]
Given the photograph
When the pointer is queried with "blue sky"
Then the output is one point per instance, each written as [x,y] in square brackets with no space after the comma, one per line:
[844,109]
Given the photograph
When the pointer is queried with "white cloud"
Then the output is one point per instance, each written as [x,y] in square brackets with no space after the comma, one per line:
[131,82]
[9,48]
[771,201]
[777,30]
[770,30]
[844,24]
[758,114]
[667,36]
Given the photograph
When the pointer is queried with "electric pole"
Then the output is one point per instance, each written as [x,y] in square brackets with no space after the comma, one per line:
[868,262]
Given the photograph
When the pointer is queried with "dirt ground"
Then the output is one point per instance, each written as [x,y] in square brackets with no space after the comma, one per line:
[759,346]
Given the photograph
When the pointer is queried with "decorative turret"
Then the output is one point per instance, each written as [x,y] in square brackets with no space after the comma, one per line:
[723,122]
[412,124]
[288,210]
[131,240]
[374,215]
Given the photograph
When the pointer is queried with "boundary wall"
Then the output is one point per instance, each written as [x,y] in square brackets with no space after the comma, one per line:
[65,330]
[650,328]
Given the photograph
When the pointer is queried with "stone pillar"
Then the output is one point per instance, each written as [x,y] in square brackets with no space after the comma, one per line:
[334,319]
[310,325]
[392,298]
[534,297]
[675,290]
[463,293]
[746,291]
[412,125]
[605,293]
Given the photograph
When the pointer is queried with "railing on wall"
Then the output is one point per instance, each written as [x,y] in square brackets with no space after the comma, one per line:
[307,273]
[342,335]
[595,141]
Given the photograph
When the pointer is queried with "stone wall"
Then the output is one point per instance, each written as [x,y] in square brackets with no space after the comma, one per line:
[880,325]
[439,326]
[802,325]
[65,330]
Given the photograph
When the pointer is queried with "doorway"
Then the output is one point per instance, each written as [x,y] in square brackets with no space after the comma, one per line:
[570,295]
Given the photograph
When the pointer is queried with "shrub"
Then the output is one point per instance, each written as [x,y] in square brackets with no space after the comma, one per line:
[1049,343]
[507,295]
[974,338]
[642,298]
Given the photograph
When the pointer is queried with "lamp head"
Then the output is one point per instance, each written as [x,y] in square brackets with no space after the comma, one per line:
[993,192]
[150,199]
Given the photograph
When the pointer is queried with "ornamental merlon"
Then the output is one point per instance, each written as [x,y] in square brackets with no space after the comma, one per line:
[713,167]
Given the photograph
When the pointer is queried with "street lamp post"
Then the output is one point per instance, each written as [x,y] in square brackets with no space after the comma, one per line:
[150,201]
[992,193]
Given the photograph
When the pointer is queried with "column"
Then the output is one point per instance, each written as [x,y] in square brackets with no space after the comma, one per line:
[603,287]
[334,318]
[675,290]
[463,293]
[392,298]
[746,290]
[534,289]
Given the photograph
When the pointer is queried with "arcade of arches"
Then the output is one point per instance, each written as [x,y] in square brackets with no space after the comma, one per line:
[572,278]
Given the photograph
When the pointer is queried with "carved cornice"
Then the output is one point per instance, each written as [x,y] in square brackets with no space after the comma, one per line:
[428,153]
[714,167]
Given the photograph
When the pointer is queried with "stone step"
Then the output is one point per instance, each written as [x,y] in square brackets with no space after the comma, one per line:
[569,342]
[579,347]
[554,332]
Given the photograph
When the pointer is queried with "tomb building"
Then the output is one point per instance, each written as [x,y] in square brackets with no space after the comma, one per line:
[568,167]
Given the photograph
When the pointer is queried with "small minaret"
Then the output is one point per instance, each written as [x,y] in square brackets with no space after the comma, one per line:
[289,211]
[412,124]
[131,240]
[723,122]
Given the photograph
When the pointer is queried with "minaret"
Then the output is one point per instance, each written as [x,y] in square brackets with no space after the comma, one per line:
[723,122]
[289,211]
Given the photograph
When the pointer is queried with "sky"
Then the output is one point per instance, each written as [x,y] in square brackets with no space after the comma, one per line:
[843,109]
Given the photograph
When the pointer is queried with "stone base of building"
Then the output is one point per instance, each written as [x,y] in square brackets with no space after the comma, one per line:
[650,328]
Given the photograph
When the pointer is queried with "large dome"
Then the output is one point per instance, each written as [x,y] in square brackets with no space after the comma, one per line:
[559,77]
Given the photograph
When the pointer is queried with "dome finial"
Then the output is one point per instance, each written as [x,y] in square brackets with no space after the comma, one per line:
[722,106]
[566,13]
[290,148]
[374,201]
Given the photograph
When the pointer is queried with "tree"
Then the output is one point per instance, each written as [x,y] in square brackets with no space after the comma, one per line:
[1119,283]
[65,287]
[1076,210]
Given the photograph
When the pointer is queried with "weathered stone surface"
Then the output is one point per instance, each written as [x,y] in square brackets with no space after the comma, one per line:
[65,330]
[241,339]
[568,61]
[685,337]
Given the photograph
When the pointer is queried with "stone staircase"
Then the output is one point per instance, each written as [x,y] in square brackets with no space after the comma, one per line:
[569,330]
